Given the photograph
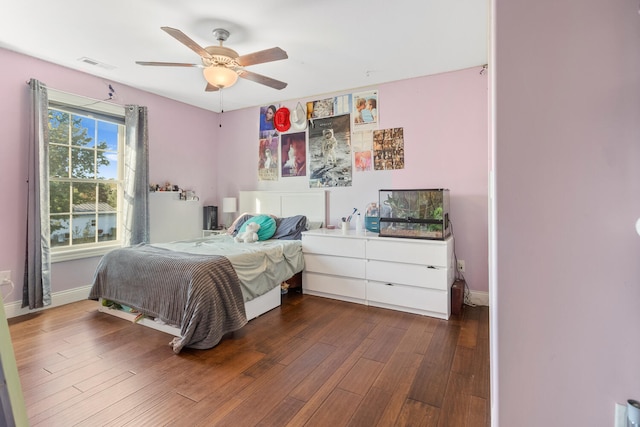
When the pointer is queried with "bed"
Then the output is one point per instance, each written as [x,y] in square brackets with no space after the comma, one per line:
[200,289]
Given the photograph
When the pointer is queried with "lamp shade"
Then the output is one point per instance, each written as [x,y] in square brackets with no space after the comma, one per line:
[220,76]
[229,205]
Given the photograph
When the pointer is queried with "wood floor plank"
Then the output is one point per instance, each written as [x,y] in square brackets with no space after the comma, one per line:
[399,396]
[400,367]
[214,406]
[125,410]
[282,413]
[418,414]
[155,415]
[386,339]
[312,361]
[359,379]
[478,413]
[455,405]
[432,376]
[317,399]
[371,408]
[51,401]
[336,410]
[463,360]
[468,334]
[257,405]
[216,376]
[480,366]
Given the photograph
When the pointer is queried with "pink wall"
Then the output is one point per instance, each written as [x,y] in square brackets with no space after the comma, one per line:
[567,141]
[182,147]
[445,126]
[444,118]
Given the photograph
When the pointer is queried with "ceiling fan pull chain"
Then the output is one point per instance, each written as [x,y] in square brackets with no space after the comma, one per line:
[221,109]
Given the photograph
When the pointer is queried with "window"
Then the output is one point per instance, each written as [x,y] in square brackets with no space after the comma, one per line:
[85,177]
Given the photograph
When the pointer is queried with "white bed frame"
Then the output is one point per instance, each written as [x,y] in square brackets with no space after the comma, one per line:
[313,204]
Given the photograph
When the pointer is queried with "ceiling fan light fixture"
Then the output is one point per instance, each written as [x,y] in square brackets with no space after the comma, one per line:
[220,77]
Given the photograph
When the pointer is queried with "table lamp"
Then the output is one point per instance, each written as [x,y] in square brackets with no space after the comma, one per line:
[229,207]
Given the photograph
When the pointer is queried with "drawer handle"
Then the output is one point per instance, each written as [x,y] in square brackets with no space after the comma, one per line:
[431,266]
[388,284]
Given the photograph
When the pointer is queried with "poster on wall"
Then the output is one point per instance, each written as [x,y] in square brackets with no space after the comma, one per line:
[362,144]
[328,107]
[388,149]
[365,110]
[268,159]
[293,152]
[342,105]
[330,152]
[319,109]
[267,114]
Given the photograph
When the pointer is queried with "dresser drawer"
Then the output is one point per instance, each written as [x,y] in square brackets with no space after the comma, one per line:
[425,301]
[411,251]
[340,287]
[336,246]
[337,266]
[407,274]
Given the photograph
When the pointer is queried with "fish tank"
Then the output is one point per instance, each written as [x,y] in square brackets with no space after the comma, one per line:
[414,214]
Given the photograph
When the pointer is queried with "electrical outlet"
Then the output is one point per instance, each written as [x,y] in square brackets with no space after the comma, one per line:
[5,277]
[620,416]
[461,265]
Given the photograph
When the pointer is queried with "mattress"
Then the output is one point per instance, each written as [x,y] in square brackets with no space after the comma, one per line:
[260,266]
[200,285]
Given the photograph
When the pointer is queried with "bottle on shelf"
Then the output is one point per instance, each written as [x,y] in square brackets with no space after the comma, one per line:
[358,223]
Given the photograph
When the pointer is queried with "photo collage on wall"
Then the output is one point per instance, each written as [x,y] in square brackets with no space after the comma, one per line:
[326,140]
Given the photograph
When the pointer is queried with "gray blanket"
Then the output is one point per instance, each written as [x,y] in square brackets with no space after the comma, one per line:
[199,293]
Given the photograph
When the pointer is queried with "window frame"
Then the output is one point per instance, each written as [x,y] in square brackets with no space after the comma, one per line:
[77,104]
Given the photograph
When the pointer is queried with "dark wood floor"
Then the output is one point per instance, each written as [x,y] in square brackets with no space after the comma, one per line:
[311,362]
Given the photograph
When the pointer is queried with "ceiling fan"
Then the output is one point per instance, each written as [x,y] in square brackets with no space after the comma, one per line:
[222,66]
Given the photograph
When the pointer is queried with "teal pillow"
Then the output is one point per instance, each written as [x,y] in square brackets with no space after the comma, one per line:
[267,226]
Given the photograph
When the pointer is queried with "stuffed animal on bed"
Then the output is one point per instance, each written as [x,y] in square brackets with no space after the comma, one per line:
[250,234]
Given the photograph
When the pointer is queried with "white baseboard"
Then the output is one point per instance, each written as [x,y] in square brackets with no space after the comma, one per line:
[14,309]
[479,298]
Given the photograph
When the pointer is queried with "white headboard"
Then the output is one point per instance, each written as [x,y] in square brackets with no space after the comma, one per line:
[312,203]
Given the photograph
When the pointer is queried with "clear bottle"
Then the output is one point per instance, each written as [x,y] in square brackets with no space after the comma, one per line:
[358,223]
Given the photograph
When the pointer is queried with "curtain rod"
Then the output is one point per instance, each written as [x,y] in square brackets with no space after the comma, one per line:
[91,101]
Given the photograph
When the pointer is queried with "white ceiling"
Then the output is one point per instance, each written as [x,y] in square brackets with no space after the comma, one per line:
[333,45]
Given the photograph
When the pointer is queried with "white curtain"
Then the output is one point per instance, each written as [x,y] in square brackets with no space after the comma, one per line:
[136,176]
[36,291]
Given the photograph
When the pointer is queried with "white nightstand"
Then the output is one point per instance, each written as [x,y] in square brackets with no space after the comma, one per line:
[208,233]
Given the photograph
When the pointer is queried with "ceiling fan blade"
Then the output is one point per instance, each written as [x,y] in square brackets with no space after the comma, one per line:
[211,88]
[267,55]
[168,64]
[185,40]
[259,78]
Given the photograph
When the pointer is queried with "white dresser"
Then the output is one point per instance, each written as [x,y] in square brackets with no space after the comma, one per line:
[411,275]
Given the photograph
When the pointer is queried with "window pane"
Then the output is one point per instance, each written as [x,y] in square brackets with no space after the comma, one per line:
[59,230]
[83,163]
[58,127]
[107,197]
[59,197]
[107,165]
[84,197]
[85,184]
[108,136]
[84,131]
[83,230]
[107,224]
[58,161]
